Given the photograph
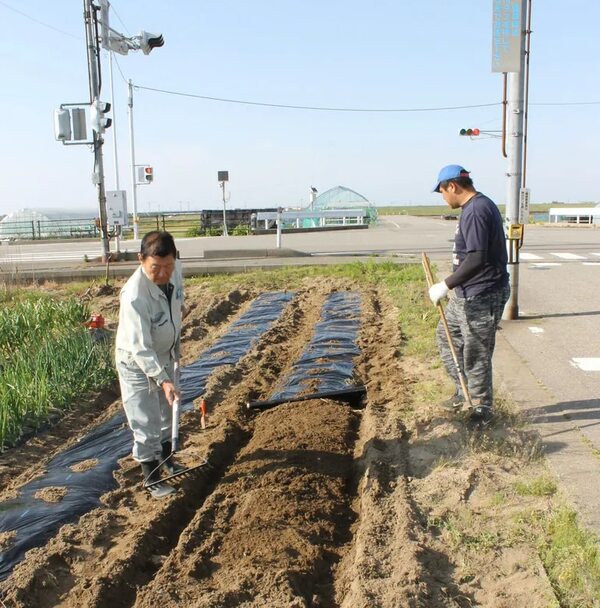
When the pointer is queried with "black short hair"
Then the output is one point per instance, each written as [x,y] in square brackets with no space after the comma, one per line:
[158,244]
[463,182]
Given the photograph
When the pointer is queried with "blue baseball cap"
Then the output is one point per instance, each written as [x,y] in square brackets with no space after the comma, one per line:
[450,172]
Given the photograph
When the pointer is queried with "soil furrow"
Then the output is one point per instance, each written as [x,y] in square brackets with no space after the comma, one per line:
[283,506]
[107,571]
[382,567]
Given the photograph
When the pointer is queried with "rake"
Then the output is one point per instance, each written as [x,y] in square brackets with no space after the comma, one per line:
[182,472]
[461,378]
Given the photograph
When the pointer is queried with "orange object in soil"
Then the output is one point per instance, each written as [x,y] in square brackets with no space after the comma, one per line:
[203,413]
[96,321]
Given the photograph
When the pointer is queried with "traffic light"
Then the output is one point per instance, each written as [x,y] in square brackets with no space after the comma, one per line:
[145,174]
[470,132]
[97,110]
[149,41]
[62,125]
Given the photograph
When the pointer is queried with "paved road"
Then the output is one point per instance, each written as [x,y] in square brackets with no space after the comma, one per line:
[402,236]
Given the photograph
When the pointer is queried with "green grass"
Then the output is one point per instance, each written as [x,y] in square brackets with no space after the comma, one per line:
[571,557]
[542,486]
[442,209]
[48,360]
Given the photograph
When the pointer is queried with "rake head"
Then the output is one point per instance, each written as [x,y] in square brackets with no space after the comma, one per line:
[184,473]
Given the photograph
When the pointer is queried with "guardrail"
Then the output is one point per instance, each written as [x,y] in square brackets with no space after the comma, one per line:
[313,219]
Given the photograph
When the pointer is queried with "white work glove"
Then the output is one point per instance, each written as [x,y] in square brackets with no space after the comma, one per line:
[437,292]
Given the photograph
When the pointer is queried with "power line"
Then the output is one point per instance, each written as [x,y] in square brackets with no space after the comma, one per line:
[56,29]
[317,108]
[565,103]
[114,10]
[119,68]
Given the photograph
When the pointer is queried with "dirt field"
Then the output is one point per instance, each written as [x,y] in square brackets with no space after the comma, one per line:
[309,504]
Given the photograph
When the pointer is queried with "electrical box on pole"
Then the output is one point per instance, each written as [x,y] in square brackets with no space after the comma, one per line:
[116,208]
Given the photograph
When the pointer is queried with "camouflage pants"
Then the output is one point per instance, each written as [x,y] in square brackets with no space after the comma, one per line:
[473,323]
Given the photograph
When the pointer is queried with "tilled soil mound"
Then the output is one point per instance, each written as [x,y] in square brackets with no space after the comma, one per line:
[308,504]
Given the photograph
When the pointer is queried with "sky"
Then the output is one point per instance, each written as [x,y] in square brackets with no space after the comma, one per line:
[390,54]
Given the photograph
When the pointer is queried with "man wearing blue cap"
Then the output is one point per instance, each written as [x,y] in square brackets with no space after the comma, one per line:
[480,283]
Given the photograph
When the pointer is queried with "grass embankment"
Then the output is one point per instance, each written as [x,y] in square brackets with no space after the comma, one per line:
[434,210]
[48,360]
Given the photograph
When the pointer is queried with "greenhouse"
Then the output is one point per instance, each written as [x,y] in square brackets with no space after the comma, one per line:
[47,223]
[339,198]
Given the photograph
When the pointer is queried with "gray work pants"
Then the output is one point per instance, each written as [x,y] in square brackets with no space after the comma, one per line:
[147,409]
[473,323]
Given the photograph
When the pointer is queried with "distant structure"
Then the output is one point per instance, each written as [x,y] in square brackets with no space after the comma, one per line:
[47,223]
[341,197]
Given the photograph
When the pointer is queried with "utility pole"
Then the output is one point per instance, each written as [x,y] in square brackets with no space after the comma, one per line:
[93,56]
[516,112]
[114,122]
[136,234]
[508,57]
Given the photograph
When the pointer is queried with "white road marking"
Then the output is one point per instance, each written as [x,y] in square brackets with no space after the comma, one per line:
[536,330]
[391,222]
[47,256]
[587,364]
[568,256]
[590,263]
[596,254]
[530,256]
[545,264]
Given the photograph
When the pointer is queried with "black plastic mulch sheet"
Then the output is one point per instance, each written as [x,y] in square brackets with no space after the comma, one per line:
[35,521]
[230,348]
[327,363]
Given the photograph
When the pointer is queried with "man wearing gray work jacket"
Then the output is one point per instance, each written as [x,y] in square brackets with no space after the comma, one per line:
[480,283]
[147,345]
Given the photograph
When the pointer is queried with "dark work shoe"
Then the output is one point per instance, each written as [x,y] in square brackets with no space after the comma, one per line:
[151,473]
[481,415]
[454,404]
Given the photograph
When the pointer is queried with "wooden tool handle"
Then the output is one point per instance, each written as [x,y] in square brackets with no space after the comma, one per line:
[461,378]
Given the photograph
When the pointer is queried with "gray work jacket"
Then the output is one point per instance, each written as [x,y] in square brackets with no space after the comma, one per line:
[149,329]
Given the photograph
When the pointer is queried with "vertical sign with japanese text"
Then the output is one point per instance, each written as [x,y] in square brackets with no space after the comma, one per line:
[507,36]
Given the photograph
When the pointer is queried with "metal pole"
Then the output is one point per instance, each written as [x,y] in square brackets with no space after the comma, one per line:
[279,227]
[132,161]
[224,211]
[93,57]
[114,135]
[114,122]
[516,86]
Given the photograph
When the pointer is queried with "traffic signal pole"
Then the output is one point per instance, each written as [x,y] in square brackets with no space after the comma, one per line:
[93,57]
[516,110]
[132,161]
